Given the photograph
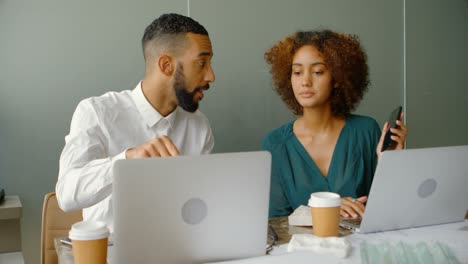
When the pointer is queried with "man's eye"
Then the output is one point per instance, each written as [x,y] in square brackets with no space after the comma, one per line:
[202,63]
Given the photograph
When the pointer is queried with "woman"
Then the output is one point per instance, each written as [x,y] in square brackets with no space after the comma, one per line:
[322,76]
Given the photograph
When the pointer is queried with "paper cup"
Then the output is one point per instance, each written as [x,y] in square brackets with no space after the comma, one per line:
[325,209]
[89,242]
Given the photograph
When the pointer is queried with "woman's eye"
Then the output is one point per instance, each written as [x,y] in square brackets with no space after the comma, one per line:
[318,72]
[296,73]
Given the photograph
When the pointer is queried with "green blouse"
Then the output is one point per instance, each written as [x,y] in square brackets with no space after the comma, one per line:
[294,175]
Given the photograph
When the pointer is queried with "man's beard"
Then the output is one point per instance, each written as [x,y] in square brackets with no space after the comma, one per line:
[185,99]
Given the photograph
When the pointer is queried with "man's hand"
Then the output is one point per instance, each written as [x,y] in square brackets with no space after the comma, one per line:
[353,208]
[158,147]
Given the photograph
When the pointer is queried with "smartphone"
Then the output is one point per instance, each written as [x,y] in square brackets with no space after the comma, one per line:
[394,116]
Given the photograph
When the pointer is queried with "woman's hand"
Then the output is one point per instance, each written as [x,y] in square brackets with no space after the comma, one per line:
[353,208]
[398,137]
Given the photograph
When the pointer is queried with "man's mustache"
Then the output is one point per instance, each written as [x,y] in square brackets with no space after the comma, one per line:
[204,88]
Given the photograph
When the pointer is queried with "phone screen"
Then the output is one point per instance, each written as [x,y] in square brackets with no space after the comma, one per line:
[394,116]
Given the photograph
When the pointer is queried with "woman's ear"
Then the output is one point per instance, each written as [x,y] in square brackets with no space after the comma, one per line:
[166,65]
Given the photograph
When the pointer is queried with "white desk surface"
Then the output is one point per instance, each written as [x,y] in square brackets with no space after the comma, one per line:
[454,235]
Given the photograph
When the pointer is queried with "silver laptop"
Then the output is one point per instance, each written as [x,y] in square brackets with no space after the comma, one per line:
[416,187]
[191,209]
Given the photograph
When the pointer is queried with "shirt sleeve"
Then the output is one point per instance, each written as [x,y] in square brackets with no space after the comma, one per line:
[85,173]
[209,142]
[279,204]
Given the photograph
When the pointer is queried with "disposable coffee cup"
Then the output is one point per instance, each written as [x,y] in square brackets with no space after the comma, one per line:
[89,242]
[325,209]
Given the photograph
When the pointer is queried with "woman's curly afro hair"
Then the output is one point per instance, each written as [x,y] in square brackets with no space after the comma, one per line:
[344,57]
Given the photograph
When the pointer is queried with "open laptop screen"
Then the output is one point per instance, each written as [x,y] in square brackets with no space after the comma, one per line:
[191,209]
[417,187]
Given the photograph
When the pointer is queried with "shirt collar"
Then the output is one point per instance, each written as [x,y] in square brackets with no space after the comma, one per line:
[150,115]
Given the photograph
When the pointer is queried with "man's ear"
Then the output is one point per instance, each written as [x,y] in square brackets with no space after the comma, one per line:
[166,65]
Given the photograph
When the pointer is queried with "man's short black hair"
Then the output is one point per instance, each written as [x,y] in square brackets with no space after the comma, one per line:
[172,24]
[166,31]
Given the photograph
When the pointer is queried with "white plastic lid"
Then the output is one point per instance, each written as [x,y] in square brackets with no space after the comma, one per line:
[88,230]
[324,199]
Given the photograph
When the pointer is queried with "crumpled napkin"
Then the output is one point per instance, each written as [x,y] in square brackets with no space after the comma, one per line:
[338,246]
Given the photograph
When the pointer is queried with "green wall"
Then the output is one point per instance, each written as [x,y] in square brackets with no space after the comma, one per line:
[54,53]
[437,72]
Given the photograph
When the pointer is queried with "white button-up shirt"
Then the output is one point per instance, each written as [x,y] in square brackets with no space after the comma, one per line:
[101,130]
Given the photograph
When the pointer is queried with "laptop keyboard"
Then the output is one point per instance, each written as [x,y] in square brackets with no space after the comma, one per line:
[354,221]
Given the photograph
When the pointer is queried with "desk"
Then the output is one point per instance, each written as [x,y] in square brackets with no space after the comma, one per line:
[279,224]
[455,235]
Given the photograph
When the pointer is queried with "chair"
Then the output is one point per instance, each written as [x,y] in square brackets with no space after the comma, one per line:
[55,223]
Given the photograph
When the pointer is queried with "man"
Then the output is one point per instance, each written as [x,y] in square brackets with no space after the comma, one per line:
[145,122]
